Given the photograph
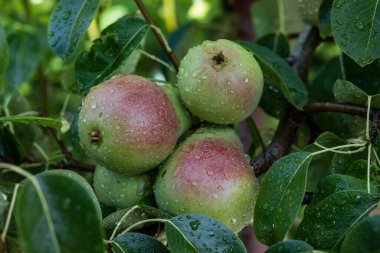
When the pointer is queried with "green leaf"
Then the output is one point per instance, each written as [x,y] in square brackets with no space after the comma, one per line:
[142,212]
[116,43]
[279,72]
[358,169]
[25,52]
[57,211]
[364,237]
[325,18]
[277,42]
[10,145]
[3,208]
[281,13]
[347,92]
[4,55]
[137,243]
[280,197]
[68,22]
[194,233]
[320,165]
[338,204]
[290,246]
[356,29]
[41,121]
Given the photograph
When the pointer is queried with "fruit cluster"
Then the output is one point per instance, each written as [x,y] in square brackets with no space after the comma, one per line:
[130,125]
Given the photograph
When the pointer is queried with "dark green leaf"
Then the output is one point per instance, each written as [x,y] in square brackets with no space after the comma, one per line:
[364,237]
[280,197]
[347,92]
[356,29]
[109,52]
[272,100]
[277,42]
[325,18]
[137,243]
[194,233]
[320,165]
[10,146]
[3,55]
[57,211]
[338,204]
[41,121]
[279,72]
[140,213]
[290,246]
[25,51]
[68,22]
[358,169]
[3,208]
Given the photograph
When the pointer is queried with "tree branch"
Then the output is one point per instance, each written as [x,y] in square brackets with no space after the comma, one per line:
[158,34]
[289,124]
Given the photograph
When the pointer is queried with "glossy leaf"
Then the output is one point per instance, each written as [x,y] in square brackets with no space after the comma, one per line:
[347,92]
[325,18]
[68,22]
[290,246]
[140,213]
[41,121]
[277,42]
[338,204]
[358,169]
[278,71]
[364,237]
[116,43]
[320,165]
[56,212]
[356,29]
[194,233]
[280,197]
[137,243]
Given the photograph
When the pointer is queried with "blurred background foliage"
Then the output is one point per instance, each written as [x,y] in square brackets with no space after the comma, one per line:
[39,83]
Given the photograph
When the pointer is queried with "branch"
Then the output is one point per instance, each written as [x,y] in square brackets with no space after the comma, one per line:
[355,110]
[289,124]
[161,39]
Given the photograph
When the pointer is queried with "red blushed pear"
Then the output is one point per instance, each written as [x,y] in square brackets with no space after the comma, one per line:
[220,82]
[129,124]
[209,174]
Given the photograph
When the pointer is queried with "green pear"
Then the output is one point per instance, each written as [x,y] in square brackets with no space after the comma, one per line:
[120,190]
[220,82]
[208,174]
[130,124]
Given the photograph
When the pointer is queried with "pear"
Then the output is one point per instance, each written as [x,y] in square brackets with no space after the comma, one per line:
[129,124]
[120,190]
[208,174]
[220,82]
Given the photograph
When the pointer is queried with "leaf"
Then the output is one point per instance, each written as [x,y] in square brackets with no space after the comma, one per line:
[142,212]
[320,165]
[137,243]
[68,22]
[3,208]
[338,204]
[191,233]
[325,18]
[41,121]
[358,169]
[10,145]
[280,197]
[57,211]
[25,52]
[356,29]
[277,42]
[347,92]
[280,12]
[279,72]
[290,246]
[4,54]
[109,52]
[364,237]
